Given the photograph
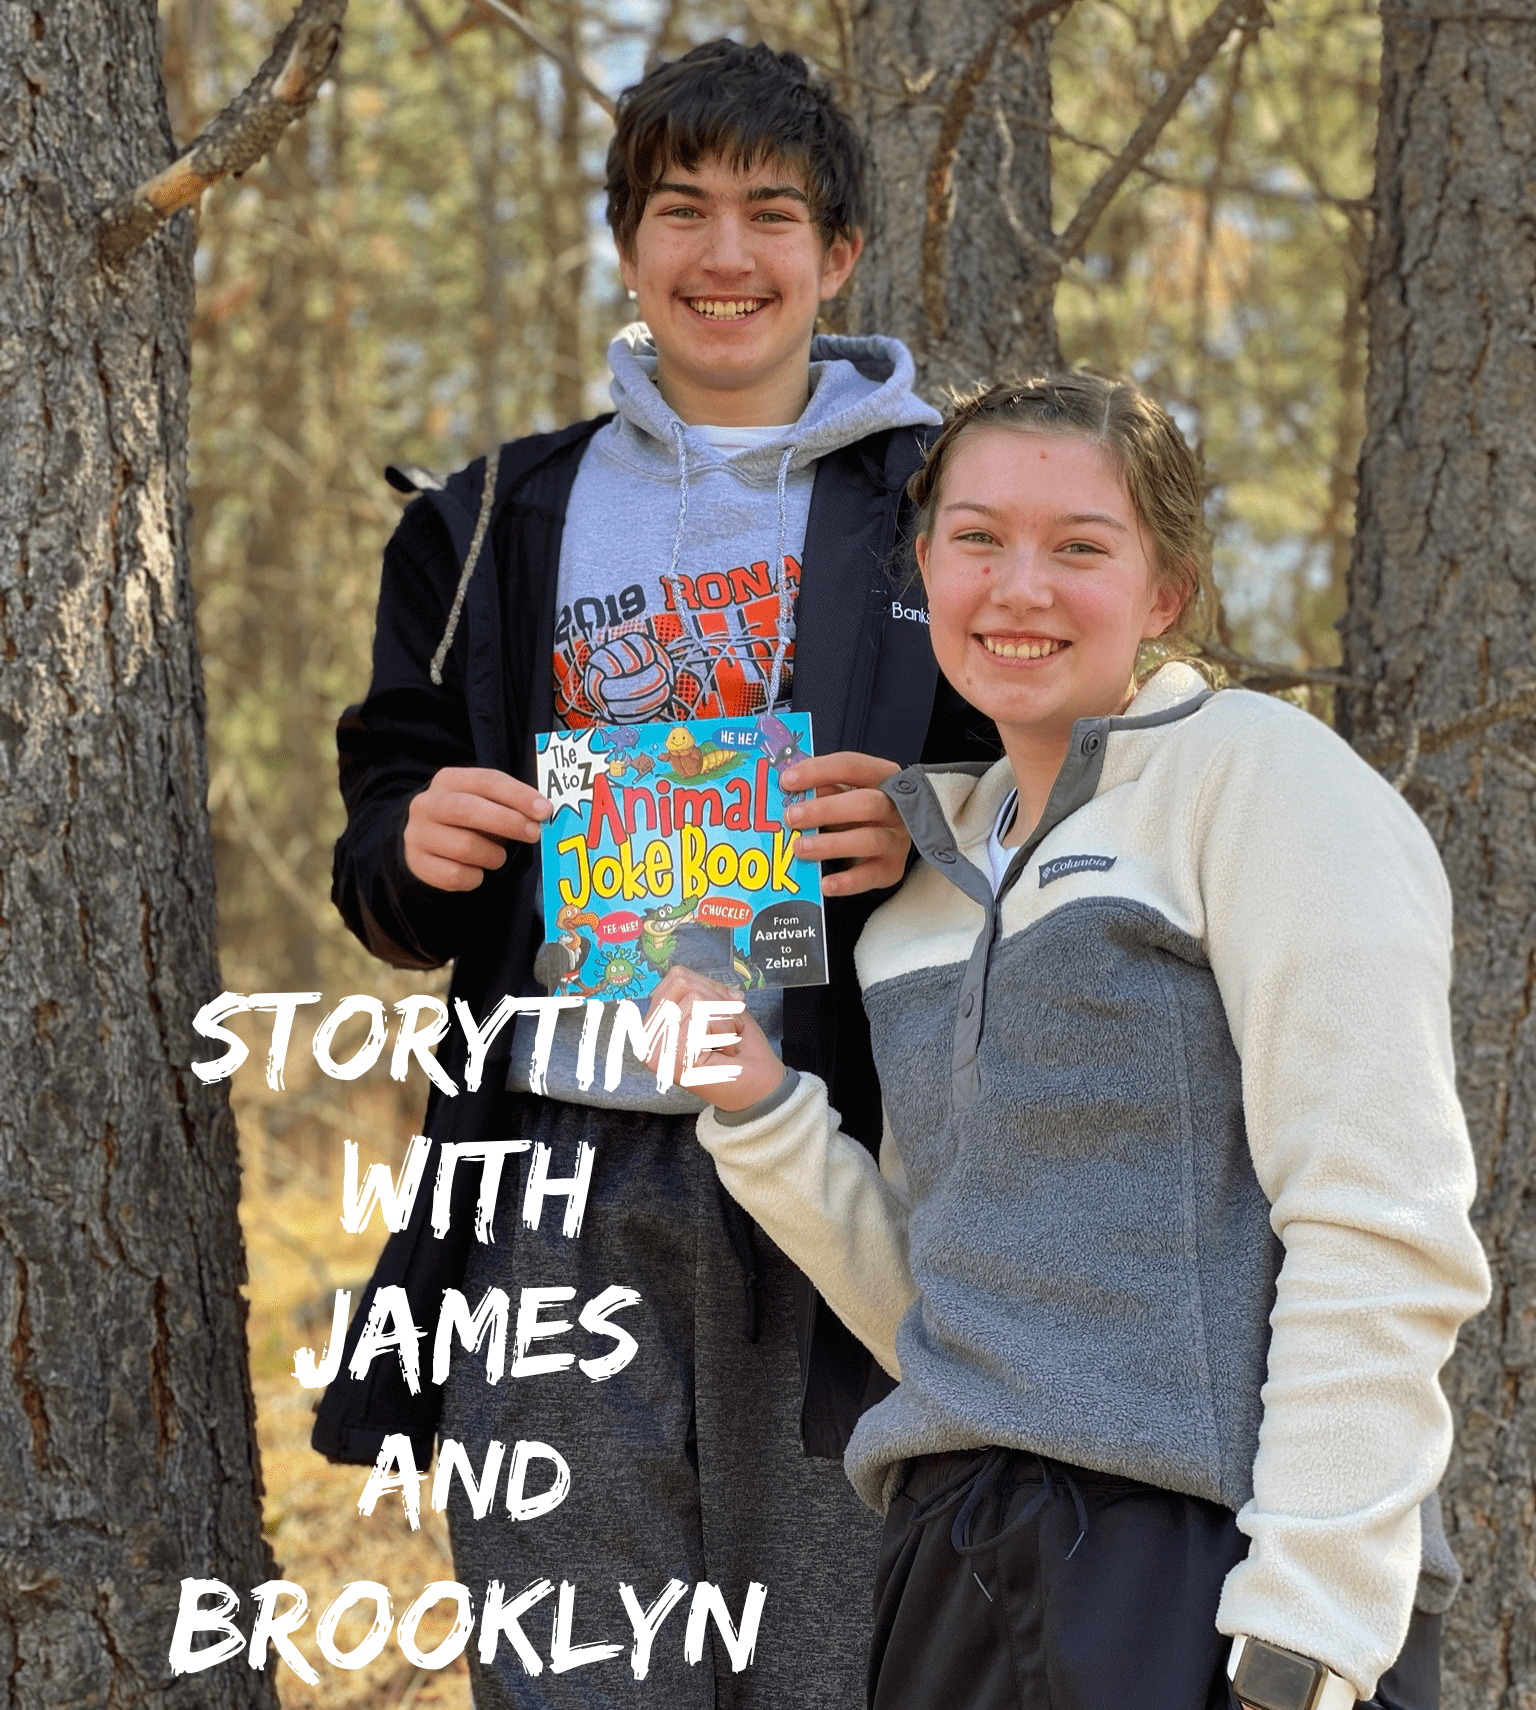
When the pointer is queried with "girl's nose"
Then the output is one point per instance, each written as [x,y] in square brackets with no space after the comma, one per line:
[1021,579]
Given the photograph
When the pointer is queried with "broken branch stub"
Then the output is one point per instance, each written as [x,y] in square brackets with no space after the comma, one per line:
[240,136]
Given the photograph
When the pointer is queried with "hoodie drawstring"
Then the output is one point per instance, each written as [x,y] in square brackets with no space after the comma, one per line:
[680,440]
[786,621]
[471,559]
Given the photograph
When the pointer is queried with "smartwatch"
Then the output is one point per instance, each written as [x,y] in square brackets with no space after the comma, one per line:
[1269,1677]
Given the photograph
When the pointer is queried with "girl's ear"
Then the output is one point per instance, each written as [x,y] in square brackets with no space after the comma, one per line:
[920,552]
[1166,609]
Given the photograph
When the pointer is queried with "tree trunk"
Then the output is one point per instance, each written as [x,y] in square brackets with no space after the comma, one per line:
[953,102]
[1442,622]
[127,1450]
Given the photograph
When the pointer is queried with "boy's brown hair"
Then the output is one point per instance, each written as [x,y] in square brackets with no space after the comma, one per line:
[746,105]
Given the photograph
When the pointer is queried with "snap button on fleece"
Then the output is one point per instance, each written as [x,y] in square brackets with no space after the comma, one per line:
[906,786]
[1092,742]
[967,1004]
[945,855]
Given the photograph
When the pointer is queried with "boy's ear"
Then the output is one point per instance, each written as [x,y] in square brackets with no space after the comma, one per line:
[837,263]
[626,265]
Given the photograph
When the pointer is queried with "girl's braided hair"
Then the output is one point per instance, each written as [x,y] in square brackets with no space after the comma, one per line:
[1162,476]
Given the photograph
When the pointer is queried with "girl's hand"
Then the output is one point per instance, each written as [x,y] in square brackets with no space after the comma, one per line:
[743,1044]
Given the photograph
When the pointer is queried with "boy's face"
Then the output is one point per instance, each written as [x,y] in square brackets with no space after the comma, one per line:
[730,269]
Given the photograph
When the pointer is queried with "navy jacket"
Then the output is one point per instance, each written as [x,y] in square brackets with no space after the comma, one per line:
[863,668]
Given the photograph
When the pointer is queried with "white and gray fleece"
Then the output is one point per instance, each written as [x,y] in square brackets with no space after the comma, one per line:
[1175,1181]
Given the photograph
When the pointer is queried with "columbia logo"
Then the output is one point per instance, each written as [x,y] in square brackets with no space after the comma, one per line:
[1065,864]
[908,614]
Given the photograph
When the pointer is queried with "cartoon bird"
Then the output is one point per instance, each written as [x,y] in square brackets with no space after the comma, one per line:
[560,961]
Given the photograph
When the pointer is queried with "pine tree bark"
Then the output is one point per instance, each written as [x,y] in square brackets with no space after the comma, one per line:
[127,1450]
[953,103]
[1442,623]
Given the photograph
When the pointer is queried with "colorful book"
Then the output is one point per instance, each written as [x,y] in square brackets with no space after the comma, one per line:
[668,845]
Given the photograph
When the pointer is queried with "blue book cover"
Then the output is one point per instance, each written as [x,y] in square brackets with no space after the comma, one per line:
[667,845]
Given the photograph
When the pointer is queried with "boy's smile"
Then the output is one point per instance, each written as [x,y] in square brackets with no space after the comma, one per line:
[730,270]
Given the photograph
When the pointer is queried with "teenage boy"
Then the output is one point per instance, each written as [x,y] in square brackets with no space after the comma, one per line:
[720,545]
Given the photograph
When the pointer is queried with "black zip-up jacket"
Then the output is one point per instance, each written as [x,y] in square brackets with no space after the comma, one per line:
[863,668]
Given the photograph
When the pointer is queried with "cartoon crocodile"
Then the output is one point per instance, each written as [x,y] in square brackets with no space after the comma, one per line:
[658,933]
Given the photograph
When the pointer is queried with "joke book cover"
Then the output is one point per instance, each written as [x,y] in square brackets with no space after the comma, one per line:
[668,844]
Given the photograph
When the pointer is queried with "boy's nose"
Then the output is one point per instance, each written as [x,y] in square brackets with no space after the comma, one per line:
[728,250]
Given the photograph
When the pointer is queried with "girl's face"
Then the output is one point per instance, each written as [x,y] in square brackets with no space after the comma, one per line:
[1040,582]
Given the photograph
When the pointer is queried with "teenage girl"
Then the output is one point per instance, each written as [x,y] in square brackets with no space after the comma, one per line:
[1167,1241]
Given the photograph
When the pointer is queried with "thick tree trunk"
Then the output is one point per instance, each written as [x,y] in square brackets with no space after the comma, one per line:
[1442,621]
[127,1453]
[953,102]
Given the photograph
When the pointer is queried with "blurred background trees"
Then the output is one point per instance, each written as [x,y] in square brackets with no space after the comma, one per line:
[421,268]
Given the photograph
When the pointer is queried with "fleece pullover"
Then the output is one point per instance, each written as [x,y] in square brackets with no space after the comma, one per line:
[1175,1182]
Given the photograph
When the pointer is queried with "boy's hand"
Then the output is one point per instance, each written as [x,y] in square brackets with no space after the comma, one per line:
[848,820]
[457,826]
[761,1071]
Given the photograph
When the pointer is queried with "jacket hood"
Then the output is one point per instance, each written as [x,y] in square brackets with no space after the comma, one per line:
[859,386]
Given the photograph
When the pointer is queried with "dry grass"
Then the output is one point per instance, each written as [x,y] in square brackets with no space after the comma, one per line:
[299,1254]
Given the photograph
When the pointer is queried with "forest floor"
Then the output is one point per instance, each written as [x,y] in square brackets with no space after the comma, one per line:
[299,1255]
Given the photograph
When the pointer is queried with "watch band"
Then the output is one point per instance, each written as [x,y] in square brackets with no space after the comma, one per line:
[1335,1692]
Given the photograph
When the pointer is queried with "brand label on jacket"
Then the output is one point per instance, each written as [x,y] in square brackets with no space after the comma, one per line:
[1065,864]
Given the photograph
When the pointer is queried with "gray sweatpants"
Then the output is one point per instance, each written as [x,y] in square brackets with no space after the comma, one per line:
[686,1465]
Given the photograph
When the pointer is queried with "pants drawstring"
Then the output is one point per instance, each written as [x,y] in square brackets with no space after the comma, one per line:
[968,1488]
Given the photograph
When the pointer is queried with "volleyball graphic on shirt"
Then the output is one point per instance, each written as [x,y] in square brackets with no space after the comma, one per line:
[631,676]
[689,647]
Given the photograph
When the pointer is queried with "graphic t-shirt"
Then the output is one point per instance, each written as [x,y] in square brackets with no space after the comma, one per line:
[638,638]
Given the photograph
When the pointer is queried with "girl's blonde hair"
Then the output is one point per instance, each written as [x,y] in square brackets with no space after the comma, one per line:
[1162,476]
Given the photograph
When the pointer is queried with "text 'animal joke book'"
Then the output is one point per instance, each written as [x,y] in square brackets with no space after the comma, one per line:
[668,845]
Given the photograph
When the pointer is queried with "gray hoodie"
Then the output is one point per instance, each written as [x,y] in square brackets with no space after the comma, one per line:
[679,565]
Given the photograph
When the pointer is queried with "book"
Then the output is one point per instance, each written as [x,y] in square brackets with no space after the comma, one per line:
[668,846]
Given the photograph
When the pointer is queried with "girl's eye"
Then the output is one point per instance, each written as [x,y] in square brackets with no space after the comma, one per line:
[977,537]
[1083,548]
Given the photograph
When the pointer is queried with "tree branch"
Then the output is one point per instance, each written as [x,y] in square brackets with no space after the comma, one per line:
[1203,48]
[1260,674]
[240,136]
[1431,738]
[538,39]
